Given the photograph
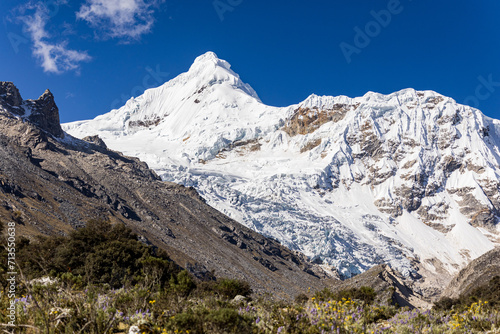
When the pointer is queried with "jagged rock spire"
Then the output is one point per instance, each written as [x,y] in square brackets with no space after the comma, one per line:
[10,94]
[45,114]
[42,112]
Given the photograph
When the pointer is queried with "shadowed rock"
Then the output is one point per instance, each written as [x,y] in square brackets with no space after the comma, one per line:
[10,94]
[96,140]
[42,112]
[45,114]
[478,273]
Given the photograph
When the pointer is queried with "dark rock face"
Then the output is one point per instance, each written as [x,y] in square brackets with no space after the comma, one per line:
[42,112]
[96,140]
[45,114]
[10,98]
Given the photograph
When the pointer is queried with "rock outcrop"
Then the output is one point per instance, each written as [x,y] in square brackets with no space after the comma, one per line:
[42,112]
[96,140]
[9,95]
[389,285]
[478,273]
[45,114]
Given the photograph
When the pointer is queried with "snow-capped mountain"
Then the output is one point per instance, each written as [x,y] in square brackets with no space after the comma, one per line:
[410,178]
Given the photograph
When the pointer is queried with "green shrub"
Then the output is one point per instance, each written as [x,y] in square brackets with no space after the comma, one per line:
[182,283]
[73,281]
[186,321]
[380,312]
[365,294]
[301,298]
[325,295]
[225,288]
[230,288]
[115,262]
[157,270]
[228,320]
[445,303]
[99,253]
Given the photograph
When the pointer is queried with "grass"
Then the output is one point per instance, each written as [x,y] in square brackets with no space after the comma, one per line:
[102,280]
[58,307]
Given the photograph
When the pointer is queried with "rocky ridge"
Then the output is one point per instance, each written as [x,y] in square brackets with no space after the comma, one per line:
[42,112]
[476,274]
[391,287]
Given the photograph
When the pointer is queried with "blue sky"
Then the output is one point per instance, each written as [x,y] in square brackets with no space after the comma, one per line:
[94,54]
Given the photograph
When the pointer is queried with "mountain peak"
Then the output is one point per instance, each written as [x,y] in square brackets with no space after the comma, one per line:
[370,178]
[47,95]
[207,56]
[43,112]
[208,70]
[10,94]
[210,59]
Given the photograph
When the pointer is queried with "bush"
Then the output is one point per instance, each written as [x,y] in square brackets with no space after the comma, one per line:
[182,283]
[99,253]
[301,298]
[226,288]
[445,303]
[72,280]
[230,288]
[365,293]
[186,321]
[325,295]
[228,320]
[381,312]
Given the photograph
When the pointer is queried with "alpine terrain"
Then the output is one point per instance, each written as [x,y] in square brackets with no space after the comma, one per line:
[410,179]
[51,183]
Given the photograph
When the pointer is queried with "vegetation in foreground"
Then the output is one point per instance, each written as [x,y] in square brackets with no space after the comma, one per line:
[115,284]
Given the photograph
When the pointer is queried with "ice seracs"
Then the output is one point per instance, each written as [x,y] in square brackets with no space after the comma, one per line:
[410,178]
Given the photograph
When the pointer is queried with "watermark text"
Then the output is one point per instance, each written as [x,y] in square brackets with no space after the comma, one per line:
[223,6]
[11,273]
[364,36]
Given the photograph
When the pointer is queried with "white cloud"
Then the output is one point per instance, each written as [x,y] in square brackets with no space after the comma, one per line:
[55,58]
[119,18]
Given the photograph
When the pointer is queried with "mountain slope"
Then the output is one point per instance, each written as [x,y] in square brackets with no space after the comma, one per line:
[51,182]
[476,274]
[410,178]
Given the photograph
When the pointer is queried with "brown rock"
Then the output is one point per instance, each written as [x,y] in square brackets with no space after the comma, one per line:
[478,273]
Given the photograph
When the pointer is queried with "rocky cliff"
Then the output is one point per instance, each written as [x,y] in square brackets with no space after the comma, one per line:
[478,273]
